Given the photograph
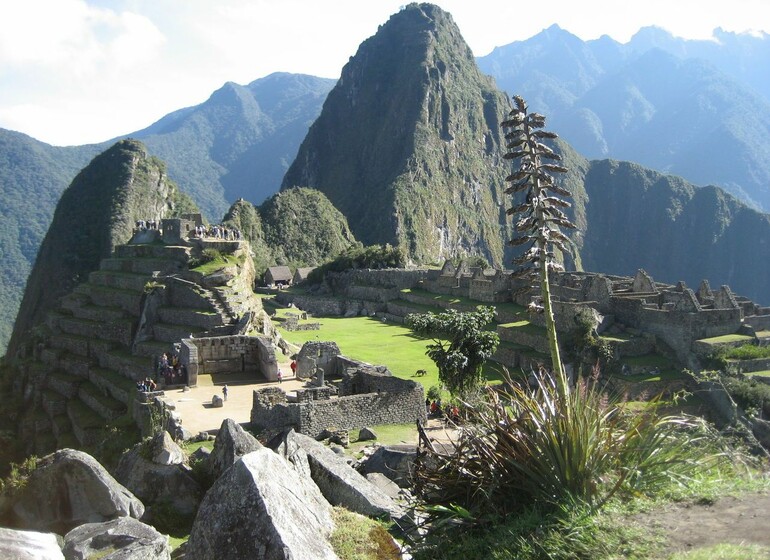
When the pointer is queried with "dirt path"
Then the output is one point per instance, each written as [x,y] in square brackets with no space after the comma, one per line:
[194,406]
[732,520]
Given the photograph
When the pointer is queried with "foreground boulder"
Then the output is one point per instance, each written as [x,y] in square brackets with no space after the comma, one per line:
[339,482]
[261,508]
[29,545]
[156,473]
[68,488]
[124,538]
[394,461]
[232,443]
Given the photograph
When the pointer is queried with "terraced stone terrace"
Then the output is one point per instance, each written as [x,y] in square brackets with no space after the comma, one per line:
[108,334]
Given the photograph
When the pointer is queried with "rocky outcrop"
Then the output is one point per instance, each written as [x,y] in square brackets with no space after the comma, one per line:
[232,443]
[124,538]
[339,483]
[394,461]
[29,545]
[261,508]
[155,471]
[67,489]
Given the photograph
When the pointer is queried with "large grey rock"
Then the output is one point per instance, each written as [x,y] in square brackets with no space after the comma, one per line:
[366,434]
[156,472]
[124,538]
[232,443]
[261,508]
[339,482]
[68,488]
[394,461]
[29,545]
[165,451]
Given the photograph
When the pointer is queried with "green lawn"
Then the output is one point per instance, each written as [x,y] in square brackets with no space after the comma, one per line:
[727,338]
[374,341]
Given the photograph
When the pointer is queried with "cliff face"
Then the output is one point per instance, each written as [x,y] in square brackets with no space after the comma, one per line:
[639,218]
[95,213]
[407,146]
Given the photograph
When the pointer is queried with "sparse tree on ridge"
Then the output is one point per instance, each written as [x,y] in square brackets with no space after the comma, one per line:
[539,214]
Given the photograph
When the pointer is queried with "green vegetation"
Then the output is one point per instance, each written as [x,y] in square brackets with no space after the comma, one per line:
[460,345]
[376,342]
[212,260]
[356,537]
[358,256]
[17,478]
[747,352]
[751,395]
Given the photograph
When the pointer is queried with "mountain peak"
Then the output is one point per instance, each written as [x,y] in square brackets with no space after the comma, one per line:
[411,125]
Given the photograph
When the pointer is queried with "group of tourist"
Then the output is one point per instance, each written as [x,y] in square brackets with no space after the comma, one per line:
[447,412]
[144,225]
[172,370]
[218,232]
[146,386]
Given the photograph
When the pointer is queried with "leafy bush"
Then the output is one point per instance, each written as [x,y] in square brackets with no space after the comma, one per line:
[552,445]
[434,393]
[749,394]
[747,352]
[358,256]
[18,476]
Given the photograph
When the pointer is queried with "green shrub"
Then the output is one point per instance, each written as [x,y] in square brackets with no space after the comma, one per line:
[747,352]
[358,256]
[18,476]
[434,393]
[751,395]
[552,445]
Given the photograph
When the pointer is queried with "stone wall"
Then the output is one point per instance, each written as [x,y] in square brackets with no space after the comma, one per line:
[387,400]
[229,354]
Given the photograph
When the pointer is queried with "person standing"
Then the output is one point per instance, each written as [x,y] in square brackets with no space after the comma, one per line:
[224,392]
[280,376]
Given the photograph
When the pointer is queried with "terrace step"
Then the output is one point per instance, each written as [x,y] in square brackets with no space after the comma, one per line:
[131,367]
[153,348]
[118,279]
[87,425]
[104,296]
[102,404]
[61,425]
[72,343]
[54,404]
[65,384]
[120,331]
[190,316]
[174,333]
[177,253]
[76,365]
[113,384]
[525,334]
[99,313]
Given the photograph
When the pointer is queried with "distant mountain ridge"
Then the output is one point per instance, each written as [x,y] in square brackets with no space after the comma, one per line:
[699,109]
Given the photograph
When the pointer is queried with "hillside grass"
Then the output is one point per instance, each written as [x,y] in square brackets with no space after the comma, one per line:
[379,343]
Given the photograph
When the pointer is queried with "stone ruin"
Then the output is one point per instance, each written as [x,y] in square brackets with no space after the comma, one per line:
[673,314]
[353,395]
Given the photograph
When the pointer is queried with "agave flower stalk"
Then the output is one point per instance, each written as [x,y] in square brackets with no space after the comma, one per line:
[540,215]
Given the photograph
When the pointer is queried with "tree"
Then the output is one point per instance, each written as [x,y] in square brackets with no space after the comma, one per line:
[540,214]
[460,344]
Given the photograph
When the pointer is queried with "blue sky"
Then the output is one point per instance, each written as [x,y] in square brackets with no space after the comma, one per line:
[78,71]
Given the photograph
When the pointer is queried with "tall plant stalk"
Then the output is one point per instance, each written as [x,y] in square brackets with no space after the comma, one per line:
[540,215]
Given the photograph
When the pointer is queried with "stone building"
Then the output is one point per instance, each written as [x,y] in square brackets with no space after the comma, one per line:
[354,395]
